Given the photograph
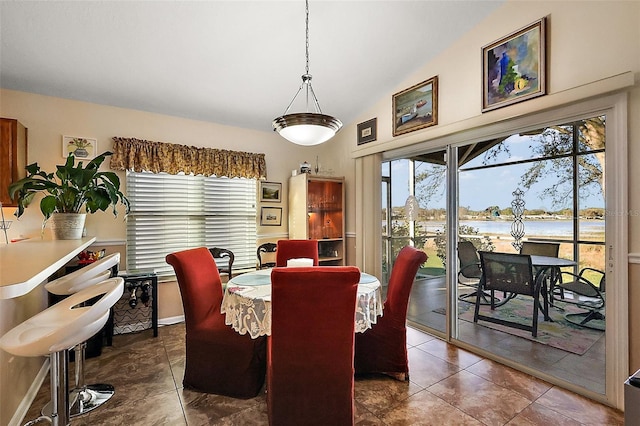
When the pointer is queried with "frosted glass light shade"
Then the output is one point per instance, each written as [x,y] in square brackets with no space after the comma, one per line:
[307,128]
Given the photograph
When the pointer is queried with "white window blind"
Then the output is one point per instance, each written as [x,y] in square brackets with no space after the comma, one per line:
[170,213]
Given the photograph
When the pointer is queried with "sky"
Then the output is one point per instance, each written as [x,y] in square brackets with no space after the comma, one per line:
[480,189]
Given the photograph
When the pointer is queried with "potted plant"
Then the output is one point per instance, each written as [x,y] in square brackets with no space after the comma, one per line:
[69,193]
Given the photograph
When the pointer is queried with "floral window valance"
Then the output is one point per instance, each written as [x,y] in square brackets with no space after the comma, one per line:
[138,155]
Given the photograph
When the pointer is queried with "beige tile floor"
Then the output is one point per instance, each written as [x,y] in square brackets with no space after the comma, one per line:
[448,386]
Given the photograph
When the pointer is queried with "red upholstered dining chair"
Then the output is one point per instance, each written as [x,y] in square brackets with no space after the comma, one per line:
[310,352]
[291,249]
[218,359]
[383,348]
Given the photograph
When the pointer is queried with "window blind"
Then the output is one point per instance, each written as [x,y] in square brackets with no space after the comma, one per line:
[170,213]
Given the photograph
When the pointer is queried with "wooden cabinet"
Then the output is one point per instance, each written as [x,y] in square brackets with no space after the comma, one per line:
[13,156]
[316,211]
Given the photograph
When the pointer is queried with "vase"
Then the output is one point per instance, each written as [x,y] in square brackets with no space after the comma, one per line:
[67,226]
[81,153]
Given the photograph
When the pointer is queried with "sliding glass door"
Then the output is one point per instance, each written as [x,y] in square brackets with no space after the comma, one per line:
[544,185]
[414,213]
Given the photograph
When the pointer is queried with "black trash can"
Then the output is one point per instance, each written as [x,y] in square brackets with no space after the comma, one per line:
[632,400]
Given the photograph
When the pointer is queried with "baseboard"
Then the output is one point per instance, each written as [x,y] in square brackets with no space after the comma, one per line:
[171,320]
[30,396]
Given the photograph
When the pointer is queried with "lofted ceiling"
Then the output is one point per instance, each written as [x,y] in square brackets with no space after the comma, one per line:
[237,63]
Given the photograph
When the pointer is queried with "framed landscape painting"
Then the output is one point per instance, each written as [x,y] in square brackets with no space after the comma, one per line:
[416,107]
[270,192]
[271,216]
[513,68]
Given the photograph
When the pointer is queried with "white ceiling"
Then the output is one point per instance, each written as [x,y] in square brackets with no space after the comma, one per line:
[231,62]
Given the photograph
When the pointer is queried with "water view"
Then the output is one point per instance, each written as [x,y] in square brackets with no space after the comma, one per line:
[540,228]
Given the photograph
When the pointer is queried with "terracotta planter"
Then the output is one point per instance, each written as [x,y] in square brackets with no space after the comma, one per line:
[67,226]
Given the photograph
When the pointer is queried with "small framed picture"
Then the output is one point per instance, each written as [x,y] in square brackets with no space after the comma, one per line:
[81,148]
[416,107]
[271,192]
[271,216]
[513,68]
[367,131]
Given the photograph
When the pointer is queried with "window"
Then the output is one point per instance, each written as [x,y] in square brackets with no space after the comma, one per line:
[170,213]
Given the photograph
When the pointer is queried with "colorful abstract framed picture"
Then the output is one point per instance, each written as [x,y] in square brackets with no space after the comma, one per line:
[416,107]
[513,68]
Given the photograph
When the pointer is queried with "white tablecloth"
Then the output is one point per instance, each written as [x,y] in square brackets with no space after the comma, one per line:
[247,303]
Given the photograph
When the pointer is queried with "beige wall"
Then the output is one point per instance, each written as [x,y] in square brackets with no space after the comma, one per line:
[588,42]
[48,118]
[591,45]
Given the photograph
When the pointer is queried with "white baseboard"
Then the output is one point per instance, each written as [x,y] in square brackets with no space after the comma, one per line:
[23,408]
[171,320]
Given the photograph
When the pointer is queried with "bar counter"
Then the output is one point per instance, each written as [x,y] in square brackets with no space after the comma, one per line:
[26,264]
[24,267]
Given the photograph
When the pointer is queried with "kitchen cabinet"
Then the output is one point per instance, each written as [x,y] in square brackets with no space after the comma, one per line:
[13,156]
[316,211]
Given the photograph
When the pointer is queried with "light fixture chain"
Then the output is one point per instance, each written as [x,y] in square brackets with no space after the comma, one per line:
[307,128]
[307,34]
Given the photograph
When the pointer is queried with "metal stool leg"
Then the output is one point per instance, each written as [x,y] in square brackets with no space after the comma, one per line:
[88,397]
[59,405]
[83,398]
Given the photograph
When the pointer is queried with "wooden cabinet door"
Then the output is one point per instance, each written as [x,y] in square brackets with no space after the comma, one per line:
[13,156]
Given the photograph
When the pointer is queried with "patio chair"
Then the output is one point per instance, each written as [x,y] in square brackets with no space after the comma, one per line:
[544,249]
[540,249]
[580,291]
[512,274]
[470,273]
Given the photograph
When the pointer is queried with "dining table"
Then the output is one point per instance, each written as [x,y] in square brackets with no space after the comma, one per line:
[246,303]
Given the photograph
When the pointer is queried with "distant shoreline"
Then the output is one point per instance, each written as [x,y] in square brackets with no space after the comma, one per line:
[541,228]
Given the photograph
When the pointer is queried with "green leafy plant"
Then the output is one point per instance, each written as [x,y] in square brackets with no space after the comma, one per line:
[71,189]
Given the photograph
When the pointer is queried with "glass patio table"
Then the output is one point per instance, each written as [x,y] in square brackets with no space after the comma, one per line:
[549,266]
[546,270]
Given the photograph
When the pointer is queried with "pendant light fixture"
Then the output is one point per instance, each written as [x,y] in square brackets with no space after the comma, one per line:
[306,128]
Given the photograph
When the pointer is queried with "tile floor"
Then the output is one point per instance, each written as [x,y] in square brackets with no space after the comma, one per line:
[587,370]
[449,386]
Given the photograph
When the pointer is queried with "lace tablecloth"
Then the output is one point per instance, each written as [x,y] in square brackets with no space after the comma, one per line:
[247,303]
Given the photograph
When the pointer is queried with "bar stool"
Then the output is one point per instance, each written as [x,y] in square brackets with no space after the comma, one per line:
[83,397]
[78,279]
[58,328]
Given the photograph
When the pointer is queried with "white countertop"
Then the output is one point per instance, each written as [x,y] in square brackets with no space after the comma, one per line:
[26,264]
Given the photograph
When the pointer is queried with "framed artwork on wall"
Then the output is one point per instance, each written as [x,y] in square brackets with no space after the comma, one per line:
[271,216]
[81,148]
[416,107]
[513,68]
[270,192]
[367,131]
